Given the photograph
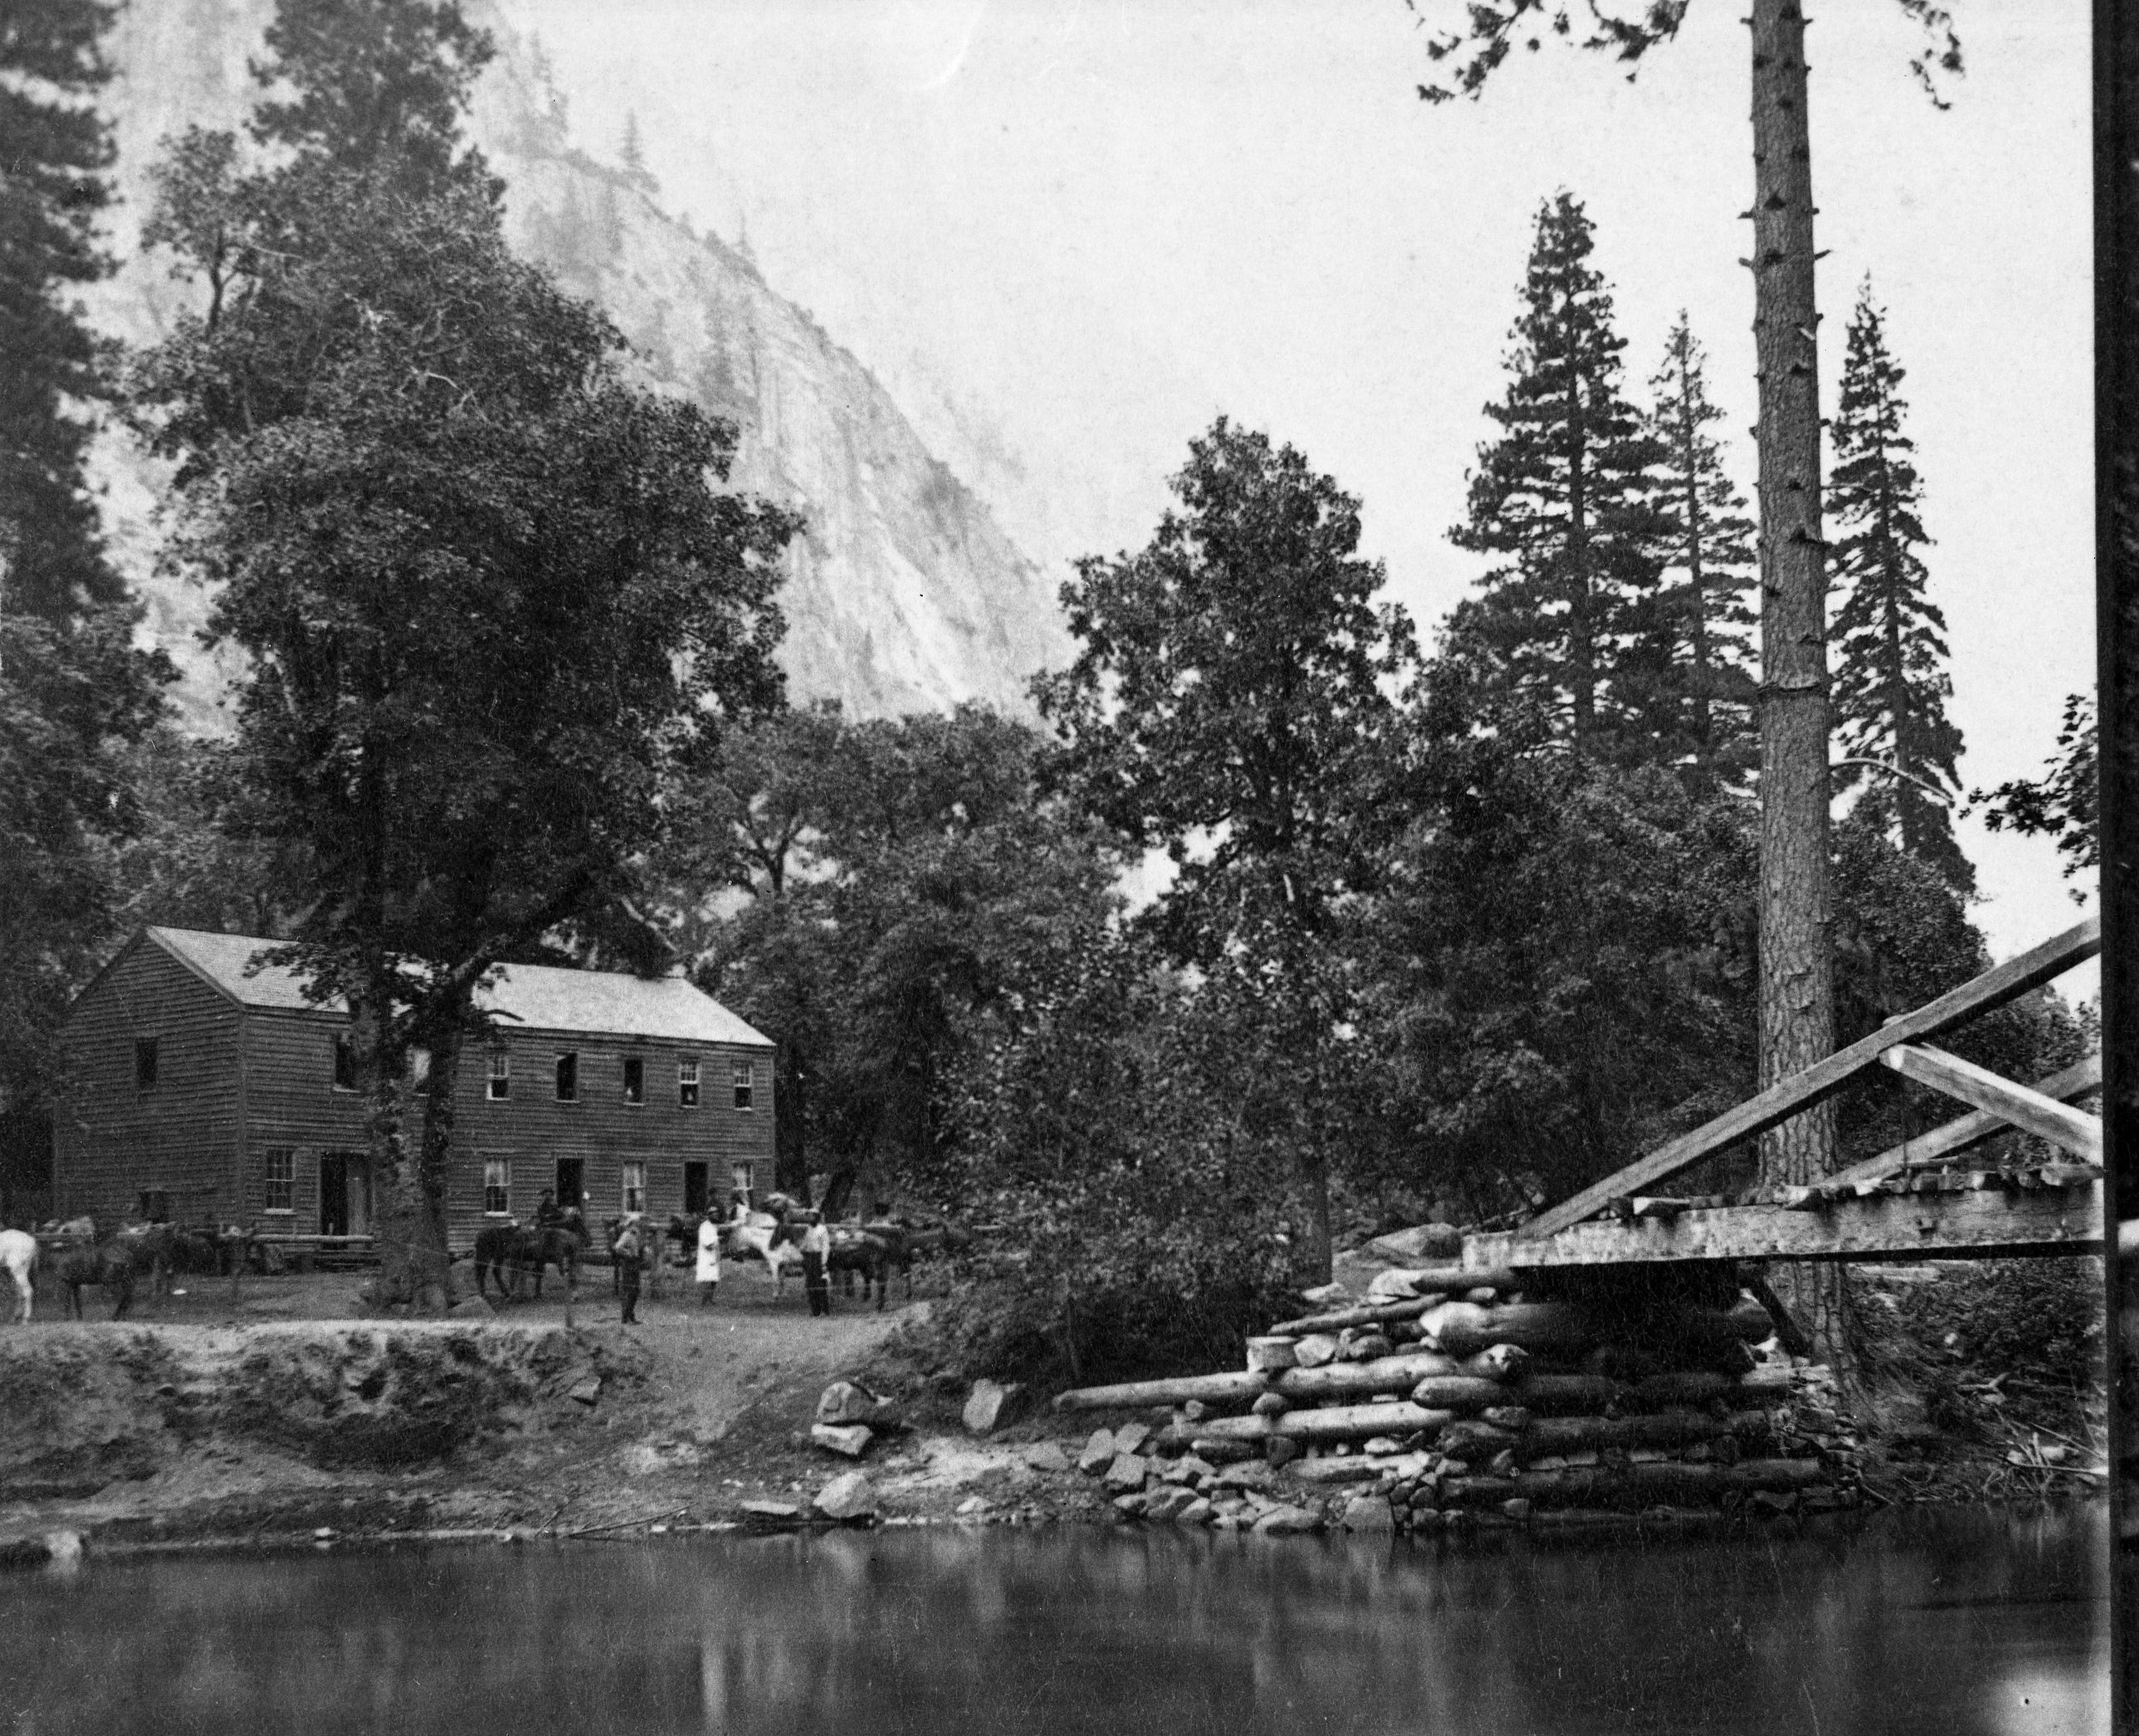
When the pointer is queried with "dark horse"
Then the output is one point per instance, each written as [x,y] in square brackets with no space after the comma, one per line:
[507,1247]
[871,1251]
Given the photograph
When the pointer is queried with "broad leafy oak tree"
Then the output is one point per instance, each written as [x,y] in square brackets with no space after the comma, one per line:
[493,603]
[1230,698]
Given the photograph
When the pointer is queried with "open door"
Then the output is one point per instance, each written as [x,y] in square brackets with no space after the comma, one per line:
[695,1187]
[572,1183]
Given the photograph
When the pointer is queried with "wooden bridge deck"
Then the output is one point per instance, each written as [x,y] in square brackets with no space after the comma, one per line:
[1890,1207]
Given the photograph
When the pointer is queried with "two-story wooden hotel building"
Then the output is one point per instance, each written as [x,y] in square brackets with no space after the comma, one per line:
[204,1090]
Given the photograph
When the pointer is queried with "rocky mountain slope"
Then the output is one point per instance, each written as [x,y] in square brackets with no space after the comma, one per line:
[904,594]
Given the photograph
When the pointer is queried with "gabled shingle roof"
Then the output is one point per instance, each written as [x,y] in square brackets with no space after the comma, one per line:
[525,996]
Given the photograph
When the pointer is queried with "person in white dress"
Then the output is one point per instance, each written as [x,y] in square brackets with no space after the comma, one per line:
[709,1258]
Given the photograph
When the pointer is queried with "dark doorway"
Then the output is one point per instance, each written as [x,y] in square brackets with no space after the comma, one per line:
[345,1194]
[695,1201]
[572,1183]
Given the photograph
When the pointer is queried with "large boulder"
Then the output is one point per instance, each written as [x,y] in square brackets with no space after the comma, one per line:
[1289,1522]
[1098,1452]
[845,1403]
[1046,1455]
[1131,1435]
[848,1499]
[1126,1472]
[1369,1513]
[990,1404]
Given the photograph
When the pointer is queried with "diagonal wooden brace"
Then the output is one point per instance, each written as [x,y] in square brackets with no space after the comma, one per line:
[2079,1079]
[1979,1088]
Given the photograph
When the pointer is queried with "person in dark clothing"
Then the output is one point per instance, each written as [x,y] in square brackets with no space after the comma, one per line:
[548,1213]
[627,1254]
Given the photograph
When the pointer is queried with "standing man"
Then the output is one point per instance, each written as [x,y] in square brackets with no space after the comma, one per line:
[709,1258]
[816,1249]
[626,1254]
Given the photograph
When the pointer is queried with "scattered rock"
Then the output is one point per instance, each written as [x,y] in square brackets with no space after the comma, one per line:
[1382,1447]
[1046,1455]
[1369,1513]
[1322,1295]
[970,1505]
[1131,1435]
[1242,1476]
[846,1499]
[1216,1452]
[587,1392]
[1289,1522]
[1167,1504]
[1194,1411]
[1281,1450]
[1511,1417]
[1484,1296]
[770,1515]
[990,1403]
[1395,1285]
[472,1307]
[1270,1404]
[1126,1472]
[1516,1506]
[1314,1350]
[1197,1512]
[850,1442]
[1098,1452]
[1130,1507]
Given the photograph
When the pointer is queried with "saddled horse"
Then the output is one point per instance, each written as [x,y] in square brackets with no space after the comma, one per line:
[19,1259]
[501,1249]
[113,1264]
[869,1252]
[766,1236]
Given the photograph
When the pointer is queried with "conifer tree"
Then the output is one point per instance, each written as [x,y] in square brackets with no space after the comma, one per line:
[1890,680]
[1565,497]
[55,147]
[1701,612]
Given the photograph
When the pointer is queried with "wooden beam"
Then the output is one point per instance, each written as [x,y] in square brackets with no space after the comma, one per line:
[1790,1097]
[1975,1225]
[2030,1111]
[2076,1080]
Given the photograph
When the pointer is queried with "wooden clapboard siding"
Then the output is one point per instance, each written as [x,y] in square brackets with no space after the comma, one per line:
[236,1082]
[531,1130]
[110,1142]
[291,1103]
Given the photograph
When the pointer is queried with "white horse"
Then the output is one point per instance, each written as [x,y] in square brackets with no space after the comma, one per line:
[759,1235]
[19,1259]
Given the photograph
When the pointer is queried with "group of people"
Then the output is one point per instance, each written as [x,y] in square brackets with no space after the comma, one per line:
[632,1245]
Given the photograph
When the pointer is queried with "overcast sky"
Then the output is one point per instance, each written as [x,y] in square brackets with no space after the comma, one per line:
[1079,231]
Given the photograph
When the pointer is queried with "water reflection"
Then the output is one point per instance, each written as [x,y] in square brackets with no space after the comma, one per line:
[1951,1623]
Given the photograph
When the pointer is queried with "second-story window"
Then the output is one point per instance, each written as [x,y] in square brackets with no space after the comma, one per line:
[568,1078]
[145,1063]
[744,1081]
[635,1079]
[345,1065]
[686,1085]
[501,1076]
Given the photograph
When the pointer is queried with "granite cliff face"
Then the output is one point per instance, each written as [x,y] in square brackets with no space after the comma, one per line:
[904,594]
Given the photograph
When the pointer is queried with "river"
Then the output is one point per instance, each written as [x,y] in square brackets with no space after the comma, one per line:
[1950,1623]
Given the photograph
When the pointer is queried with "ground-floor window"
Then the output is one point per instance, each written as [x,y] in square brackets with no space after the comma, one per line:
[496,1186]
[279,1179]
[635,1187]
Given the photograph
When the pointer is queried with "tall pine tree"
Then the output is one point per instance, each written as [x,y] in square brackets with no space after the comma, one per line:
[1890,680]
[1567,499]
[1702,616]
[55,147]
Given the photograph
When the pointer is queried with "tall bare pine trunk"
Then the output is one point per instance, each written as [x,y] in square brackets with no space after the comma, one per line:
[1797,978]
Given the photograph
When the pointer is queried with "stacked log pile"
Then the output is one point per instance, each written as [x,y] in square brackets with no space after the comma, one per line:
[1449,1395]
